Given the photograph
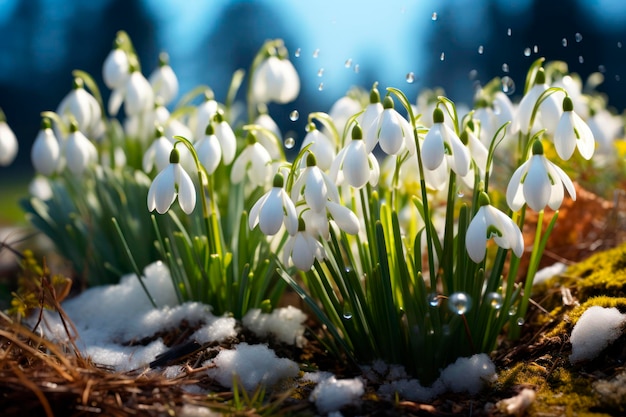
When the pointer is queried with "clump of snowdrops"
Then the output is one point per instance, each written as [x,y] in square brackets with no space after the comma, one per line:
[397,223]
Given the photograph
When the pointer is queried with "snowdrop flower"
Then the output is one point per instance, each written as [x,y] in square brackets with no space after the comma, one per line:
[164,81]
[572,132]
[342,110]
[205,112]
[489,222]
[275,80]
[209,150]
[549,109]
[440,142]
[81,106]
[320,145]
[606,127]
[369,118]
[173,181]
[136,94]
[226,137]
[393,132]
[316,186]
[79,151]
[477,149]
[538,182]
[492,117]
[355,164]
[158,153]
[46,152]
[271,139]
[116,68]
[302,249]
[254,161]
[8,142]
[274,209]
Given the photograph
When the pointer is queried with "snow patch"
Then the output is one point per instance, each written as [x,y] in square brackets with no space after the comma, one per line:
[286,324]
[331,393]
[596,328]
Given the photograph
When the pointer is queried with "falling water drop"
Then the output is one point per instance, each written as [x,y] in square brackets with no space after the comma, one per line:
[513,310]
[442,56]
[581,59]
[347,311]
[520,321]
[297,53]
[320,72]
[578,37]
[348,63]
[505,67]
[459,303]
[434,16]
[526,51]
[290,142]
[617,77]
[356,68]
[619,44]
[316,53]
[410,77]
[320,87]
[481,49]
[472,74]
[508,85]
[508,32]
[535,49]
[495,300]
[601,68]
[294,115]
[564,42]
[434,299]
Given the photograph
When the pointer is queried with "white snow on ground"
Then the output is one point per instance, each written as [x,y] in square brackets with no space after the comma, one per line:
[549,272]
[252,364]
[286,324]
[596,328]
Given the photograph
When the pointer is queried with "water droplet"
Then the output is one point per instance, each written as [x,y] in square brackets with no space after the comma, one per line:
[564,42]
[526,51]
[297,53]
[316,53]
[320,72]
[459,303]
[617,77]
[434,300]
[460,193]
[294,115]
[347,311]
[508,85]
[578,37]
[602,68]
[535,49]
[320,87]
[481,49]
[410,78]
[442,56]
[356,68]
[619,44]
[505,67]
[348,63]
[290,143]
[434,16]
[495,300]
[581,59]
[520,321]
[513,310]
[473,74]
[508,32]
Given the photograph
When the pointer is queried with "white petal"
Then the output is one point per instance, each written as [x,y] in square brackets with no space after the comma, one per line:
[261,169]
[186,190]
[115,69]
[301,255]
[253,219]
[511,235]
[164,83]
[228,141]
[564,136]
[290,215]
[537,187]
[271,214]
[356,165]
[586,143]
[514,191]
[432,147]
[476,236]
[390,133]
[162,192]
[8,144]
[209,153]
[525,109]
[315,191]
[344,217]
[46,152]
[139,95]
[460,154]
[374,169]
[115,100]
[290,81]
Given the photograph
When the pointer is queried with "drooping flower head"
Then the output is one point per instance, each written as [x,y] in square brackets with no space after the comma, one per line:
[209,150]
[82,107]
[571,133]
[302,249]
[393,132]
[538,182]
[441,141]
[491,223]
[275,79]
[548,112]
[354,164]
[164,81]
[158,153]
[8,142]
[274,209]
[46,151]
[79,151]
[170,183]
[254,162]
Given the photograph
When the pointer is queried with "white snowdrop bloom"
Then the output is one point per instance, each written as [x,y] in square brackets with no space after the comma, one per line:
[302,249]
[345,219]
[164,81]
[440,142]
[158,153]
[274,209]
[549,110]
[321,146]
[270,140]
[572,132]
[81,106]
[492,117]
[208,150]
[354,164]
[275,80]
[538,182]
[478,152]
[115,69]
[136,94]
[341,111]
[204,114]
[368,120]
[173,181]
[574,88]
[79,152]
[393,132]
[489,222]
[8,142]
[316,186]
[226,137]
[605,127]
[46,151]
[254,162]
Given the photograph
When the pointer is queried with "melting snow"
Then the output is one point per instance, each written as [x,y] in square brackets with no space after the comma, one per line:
[597,328]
